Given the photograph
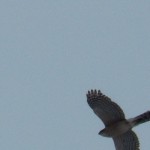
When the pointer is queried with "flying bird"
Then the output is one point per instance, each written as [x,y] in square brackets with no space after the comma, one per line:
[117,126]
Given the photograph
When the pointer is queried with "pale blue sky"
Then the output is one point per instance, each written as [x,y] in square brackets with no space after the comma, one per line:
[52,52]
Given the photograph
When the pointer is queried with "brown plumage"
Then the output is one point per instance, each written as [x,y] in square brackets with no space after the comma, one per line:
[116,125]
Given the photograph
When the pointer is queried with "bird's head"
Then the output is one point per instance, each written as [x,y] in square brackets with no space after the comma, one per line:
[104,133]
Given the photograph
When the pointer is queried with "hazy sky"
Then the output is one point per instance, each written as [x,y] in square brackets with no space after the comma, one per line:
[52,52]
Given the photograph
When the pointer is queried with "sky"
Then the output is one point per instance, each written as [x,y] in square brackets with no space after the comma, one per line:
[52,52]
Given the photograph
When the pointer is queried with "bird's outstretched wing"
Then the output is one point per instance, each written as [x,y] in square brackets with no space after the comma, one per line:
[108,111]
[126,141]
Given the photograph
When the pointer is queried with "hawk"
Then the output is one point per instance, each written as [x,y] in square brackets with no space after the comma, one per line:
[117,126]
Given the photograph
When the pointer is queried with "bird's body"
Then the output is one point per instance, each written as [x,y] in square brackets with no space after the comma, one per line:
[116,129]
[116,125]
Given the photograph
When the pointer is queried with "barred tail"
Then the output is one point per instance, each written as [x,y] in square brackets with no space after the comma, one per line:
[142,118]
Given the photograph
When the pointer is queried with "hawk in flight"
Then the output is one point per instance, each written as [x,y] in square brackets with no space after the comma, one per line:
[116,125]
